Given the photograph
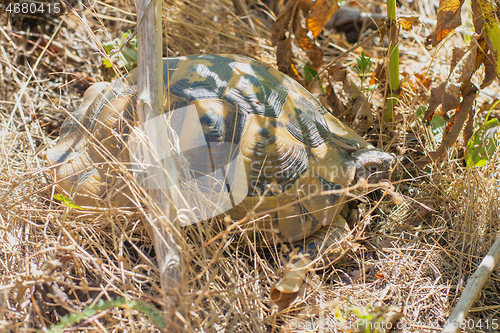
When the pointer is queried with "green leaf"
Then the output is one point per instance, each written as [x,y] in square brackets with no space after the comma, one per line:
[310,73]
[126,58]
[483,144]
[106,63]
[364,63]
[420,111]
[438,125]
[65,201]
[101,305]
[109,46]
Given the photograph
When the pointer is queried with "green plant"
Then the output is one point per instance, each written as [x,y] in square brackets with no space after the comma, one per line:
[67,202]
[310,73]
[367,319]
[122,52]
[483,144]
[101,305]
[438,124]
[364,67]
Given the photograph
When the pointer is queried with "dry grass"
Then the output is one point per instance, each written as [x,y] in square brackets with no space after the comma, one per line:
[416,256]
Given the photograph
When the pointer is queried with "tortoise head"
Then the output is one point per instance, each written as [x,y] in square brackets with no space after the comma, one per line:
[373,164]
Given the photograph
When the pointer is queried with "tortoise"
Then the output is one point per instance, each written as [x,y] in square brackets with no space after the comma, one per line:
[292,148]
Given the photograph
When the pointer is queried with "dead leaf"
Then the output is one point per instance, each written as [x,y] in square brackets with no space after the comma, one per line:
[460,75]
[291,284]
[316,89]
[456,54]
[463,65]
[337,73]
[361,108]
[295,74]
[313,52]
[436,100]
[447,20]
[461,115]
[288,27]
[280,26]
[411,85]
[288,22]
[295,23]
[490,12]
[319,15]
[423,79]
[283,300]
[305,5]
[408,22]
[489,71]
[378,74]
[469,126]
[477,17]
[482,49]
[284,55]
[338,108]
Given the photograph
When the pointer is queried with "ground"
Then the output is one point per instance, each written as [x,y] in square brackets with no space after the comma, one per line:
[413,258]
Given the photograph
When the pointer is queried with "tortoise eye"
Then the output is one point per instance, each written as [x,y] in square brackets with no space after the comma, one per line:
[373,168]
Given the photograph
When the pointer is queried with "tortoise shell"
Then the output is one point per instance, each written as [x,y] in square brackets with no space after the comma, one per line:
[291,147]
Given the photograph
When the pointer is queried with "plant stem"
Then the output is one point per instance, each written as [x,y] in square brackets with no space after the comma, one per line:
[392,96]
[162,215]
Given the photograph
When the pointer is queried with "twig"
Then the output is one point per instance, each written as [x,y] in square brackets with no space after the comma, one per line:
[134,33]
[162,212]
[473,288]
